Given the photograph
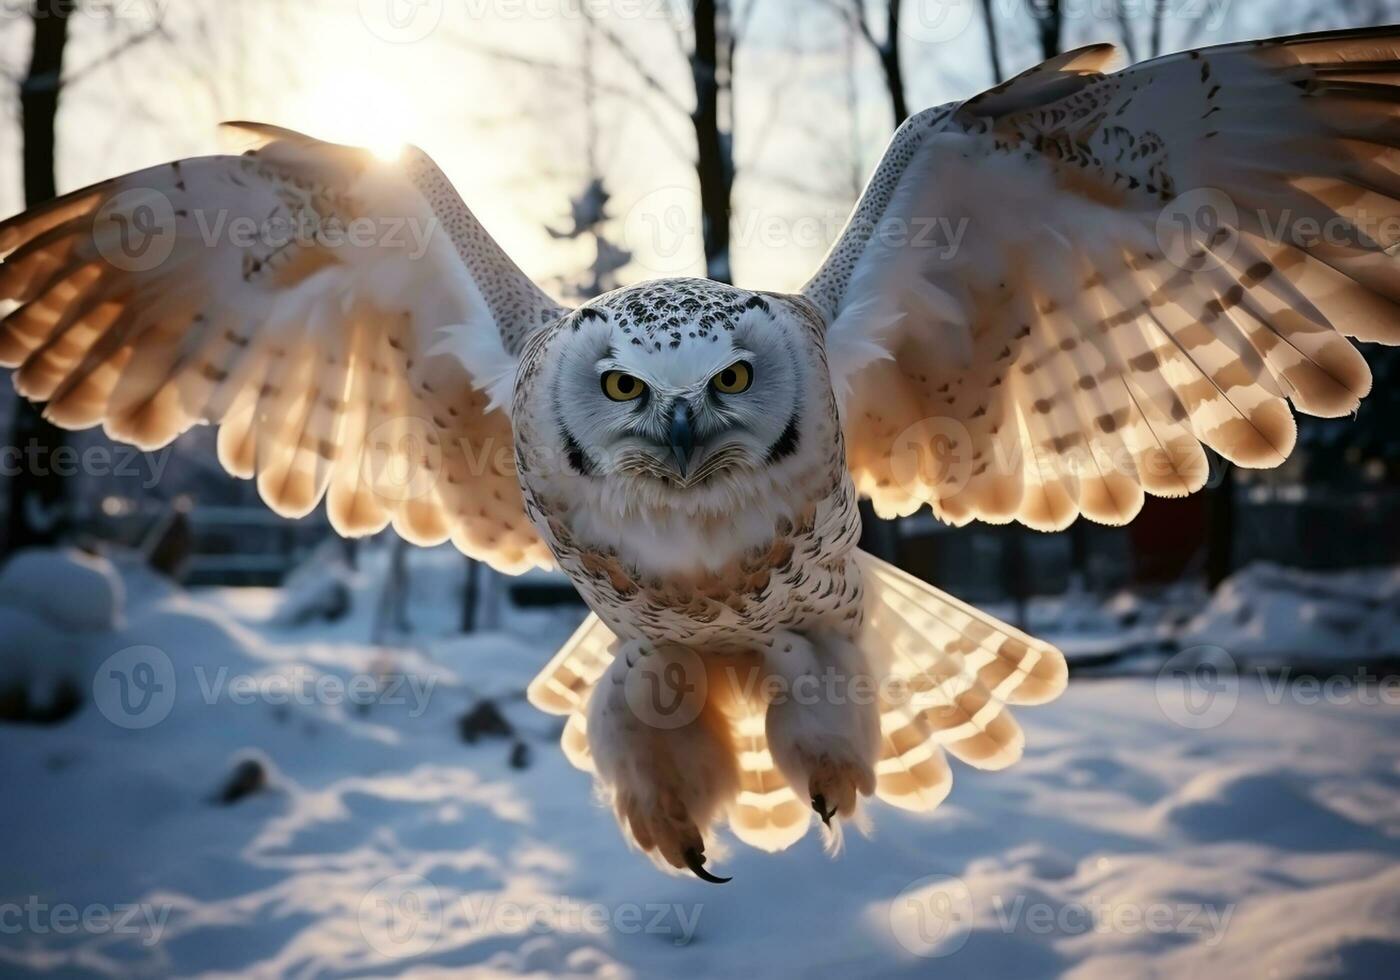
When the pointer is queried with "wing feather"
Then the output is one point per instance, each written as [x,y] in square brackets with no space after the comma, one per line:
[241,291]
[1122,269]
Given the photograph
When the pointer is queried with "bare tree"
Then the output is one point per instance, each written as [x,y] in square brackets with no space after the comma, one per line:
[36,494]
[989,20]
[712,69]
[1049,26]
[588,209]
[708,34]
[886,49]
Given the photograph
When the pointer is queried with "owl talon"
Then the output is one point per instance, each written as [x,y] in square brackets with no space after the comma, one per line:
[695,861]
[819,805]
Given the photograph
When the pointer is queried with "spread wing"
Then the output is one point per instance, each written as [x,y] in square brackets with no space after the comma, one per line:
[1052,295]
[337,316]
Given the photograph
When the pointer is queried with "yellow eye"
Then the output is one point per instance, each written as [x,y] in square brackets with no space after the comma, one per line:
[734,379]
[622,387]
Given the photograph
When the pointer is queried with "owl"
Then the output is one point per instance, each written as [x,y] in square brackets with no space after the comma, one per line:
[1048,300]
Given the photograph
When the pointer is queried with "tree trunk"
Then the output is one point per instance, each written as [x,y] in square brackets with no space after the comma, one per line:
[36,492]
[1220,544]
[714,163]
[471,591]
[993,50]
[1049,21]
[1159,17]
[889,61]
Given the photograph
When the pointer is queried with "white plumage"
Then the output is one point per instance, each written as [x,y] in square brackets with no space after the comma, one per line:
[1049,299]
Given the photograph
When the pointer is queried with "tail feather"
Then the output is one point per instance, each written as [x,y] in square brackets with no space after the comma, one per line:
[952,673]
[767,814]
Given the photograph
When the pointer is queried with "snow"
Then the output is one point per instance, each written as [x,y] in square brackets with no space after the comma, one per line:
[1140,835]
[74,591]
[1270,614]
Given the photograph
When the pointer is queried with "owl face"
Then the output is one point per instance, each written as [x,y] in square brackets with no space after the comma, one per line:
[684,393]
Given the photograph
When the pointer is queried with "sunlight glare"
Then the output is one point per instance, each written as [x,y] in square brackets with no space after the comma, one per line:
[362,110]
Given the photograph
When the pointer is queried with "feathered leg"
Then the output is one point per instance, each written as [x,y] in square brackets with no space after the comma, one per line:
[823,720]
[663,751]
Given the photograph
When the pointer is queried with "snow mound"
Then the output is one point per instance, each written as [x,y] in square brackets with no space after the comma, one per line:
[319,589]
[73,591]
[1266,613]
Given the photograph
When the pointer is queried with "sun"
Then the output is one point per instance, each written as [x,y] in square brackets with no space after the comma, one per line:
[361,109]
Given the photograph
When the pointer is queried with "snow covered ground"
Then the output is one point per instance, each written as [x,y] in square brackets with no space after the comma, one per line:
[1207,820]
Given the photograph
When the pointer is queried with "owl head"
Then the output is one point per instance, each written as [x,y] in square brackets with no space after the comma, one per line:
[680,384]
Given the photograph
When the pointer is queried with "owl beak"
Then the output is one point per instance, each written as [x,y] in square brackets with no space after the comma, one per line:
[682,437]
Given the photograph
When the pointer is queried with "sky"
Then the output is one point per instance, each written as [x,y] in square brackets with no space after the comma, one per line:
[447,76]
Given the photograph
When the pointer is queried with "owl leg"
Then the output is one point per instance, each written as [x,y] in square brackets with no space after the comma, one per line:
[663,752]
[823,720]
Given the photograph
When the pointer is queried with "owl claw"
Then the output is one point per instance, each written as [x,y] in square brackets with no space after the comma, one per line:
[695,861]
[819,805]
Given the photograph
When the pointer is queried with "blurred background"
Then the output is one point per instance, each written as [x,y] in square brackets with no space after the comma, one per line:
[605,143]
